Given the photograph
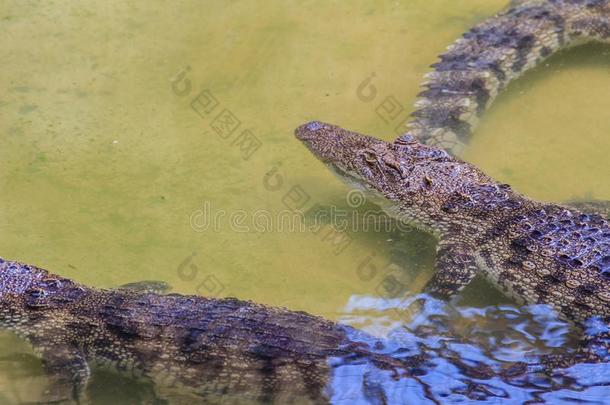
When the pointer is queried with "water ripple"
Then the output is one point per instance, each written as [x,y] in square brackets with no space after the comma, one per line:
[467,348]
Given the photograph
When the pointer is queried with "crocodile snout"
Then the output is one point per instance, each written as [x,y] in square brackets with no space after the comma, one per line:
[308,131]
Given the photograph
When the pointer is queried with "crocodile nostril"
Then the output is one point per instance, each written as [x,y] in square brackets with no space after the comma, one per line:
[314,125]
[309,131]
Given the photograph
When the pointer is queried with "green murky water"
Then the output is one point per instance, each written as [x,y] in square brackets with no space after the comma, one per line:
[108,171]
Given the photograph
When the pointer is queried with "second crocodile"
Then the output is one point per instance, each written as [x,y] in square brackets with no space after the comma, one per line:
[191,348]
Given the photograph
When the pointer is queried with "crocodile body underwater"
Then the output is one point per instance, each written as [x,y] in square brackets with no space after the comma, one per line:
[479,65]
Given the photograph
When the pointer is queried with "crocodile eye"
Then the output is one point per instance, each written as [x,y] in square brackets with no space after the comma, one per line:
[36,292]
[369,156]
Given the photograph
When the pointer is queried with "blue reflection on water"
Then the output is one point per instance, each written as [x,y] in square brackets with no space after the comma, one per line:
[465,350]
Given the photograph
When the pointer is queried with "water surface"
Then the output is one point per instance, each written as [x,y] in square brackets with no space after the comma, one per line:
[108,171]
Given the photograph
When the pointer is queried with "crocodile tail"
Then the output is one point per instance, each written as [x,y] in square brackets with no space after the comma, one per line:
[477,66]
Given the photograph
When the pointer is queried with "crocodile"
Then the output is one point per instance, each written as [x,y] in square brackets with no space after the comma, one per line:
[191,348]
[534,252]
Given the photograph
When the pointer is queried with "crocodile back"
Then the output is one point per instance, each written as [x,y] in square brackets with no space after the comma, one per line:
[546,253]
[479,65]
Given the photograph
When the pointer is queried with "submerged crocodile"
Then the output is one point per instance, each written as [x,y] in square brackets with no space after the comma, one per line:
[476,67]
[192,348]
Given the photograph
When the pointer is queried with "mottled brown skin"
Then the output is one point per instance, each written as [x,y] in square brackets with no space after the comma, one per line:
[481,63]
[534,252]
[192,348]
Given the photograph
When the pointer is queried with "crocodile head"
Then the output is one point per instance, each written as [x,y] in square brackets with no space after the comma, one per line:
[413,180]
[370,163]
[351,156]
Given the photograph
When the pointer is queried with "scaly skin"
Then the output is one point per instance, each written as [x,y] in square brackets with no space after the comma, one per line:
[476,67]
[190,347]
[479,65]
[482,225]
[534,252]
